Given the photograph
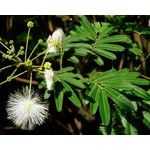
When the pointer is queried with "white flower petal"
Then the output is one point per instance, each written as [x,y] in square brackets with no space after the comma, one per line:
[49,41]
[53,49]
[49,78]
[58,35]
[55,40]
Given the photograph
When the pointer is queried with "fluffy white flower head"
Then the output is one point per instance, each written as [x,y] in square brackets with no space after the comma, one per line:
[26,111]
[55,40]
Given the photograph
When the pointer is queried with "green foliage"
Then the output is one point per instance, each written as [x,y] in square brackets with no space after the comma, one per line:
[114,85]
[146,120]
[94,40]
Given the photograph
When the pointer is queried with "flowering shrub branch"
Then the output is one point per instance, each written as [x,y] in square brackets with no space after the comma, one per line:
[93,89]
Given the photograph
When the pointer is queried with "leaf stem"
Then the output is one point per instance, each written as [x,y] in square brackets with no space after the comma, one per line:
[3,82]
[30,85]
[19,74]
[13,72]
[38,55]
[27,41]
[7,67]
[14,77]
[5,46]
[33,50]
[44,57]
[61,57]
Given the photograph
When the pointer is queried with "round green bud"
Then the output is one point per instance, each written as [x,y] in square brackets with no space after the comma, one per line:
[47,65]
[9,57]
[10,46]
[30,24]
[40,41]
[9,79]
[11,42]
[28,63]
[0,39]
[21,52]
[21,47]
[4,56]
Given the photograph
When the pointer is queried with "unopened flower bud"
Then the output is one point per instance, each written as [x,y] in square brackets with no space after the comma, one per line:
[47,65]
[40,41]
[11,42]
[30,24]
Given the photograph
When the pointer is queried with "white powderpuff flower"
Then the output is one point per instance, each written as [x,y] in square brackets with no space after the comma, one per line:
[58,35]
[26,111]
[49,78]
[55,40]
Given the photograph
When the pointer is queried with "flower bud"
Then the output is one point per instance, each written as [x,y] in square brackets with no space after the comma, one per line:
[40,41]
[30,24]
[47,65]
[11,42]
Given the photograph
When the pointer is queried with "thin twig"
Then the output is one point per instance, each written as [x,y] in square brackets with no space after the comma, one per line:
[26,81]
[148,78]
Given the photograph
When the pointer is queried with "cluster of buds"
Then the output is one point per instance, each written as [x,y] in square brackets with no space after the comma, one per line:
[11,53]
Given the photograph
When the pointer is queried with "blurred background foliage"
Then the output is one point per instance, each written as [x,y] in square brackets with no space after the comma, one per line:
[70,120]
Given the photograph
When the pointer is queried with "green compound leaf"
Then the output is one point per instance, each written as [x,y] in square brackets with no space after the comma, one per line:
[88,27]
[98,59]
[66,77]
[141,93]
[71,94]
[107,30]
[75,37]
[122,101]
[42,84]
[94,104]
[59,101]
[106,54]
[138,81]
[81,52]
[110,47]
[63,70]
[102,130]
[117,85]
[104,108]
[116,38]
[47,94]
[146,120]
[129,128]
[73,59]
[78,45]
[58,95]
